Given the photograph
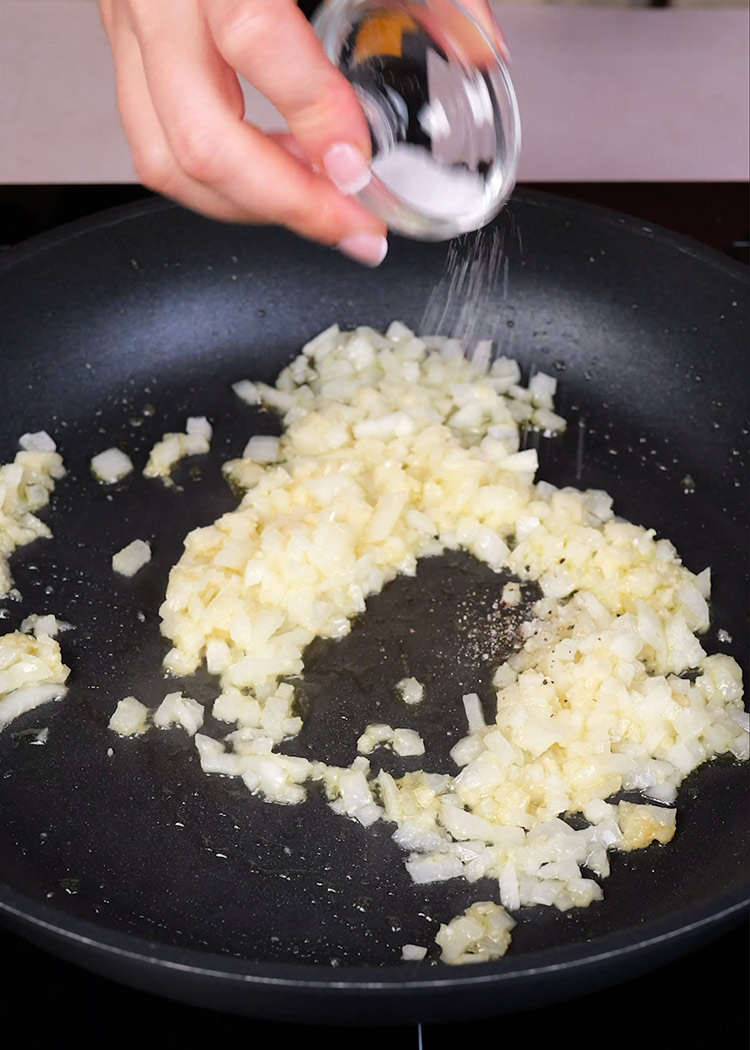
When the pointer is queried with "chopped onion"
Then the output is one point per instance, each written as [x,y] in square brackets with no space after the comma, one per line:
[641,825]
[396,448]
[412,691]
[129,560]
[167,453]
[49,625]
[25,487]
[547,421]
[413,952]
[38,442]
[437,867]
[262,449]
[19,701]
[176,709]
[111,465]
[542,389]
[405,742]
[31,673]
[247,392]
[481,933]
[130,717]
[474,714]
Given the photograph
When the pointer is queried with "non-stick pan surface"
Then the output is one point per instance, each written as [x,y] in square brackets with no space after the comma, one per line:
[121,854]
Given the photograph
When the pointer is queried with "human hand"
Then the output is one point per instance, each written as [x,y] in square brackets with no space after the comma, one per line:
[176,66]
[445,16]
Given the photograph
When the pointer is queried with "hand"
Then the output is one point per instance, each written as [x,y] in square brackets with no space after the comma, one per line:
[445,15]
[176,66]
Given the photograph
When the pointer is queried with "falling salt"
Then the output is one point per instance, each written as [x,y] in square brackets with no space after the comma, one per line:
[469,300]
[427,186]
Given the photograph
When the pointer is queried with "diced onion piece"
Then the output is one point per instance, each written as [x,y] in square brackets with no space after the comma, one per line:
[474,714]
[130,717]
[354,790]
[111,465]
[31,673]
[412,691]
[511,594]
[19,701]
[37,442]
[354,796]
[413,952]
[176,709]
[398,332]
[437,867]
[129,560]
[262,449]
[548,421]
[405,742]
[528,460]
[703,582]
[49,625]
[480,934]
[167,453]
[25,487]
[214,758]
[277,777]
[542,389]
[247,392]
[199,426]
[641,825]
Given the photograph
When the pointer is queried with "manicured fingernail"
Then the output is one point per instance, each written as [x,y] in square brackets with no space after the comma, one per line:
[347,168]
[367,248]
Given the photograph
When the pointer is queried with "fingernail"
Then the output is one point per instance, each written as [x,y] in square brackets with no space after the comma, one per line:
[367,248]
[346,168]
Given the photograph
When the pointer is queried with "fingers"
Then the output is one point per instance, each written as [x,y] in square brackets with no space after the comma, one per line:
[447,23]
[482,11]
[182,109]
[274,47]
[236,160]
[152,156]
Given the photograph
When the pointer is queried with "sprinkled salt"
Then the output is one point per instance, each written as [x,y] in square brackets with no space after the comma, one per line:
[431,188]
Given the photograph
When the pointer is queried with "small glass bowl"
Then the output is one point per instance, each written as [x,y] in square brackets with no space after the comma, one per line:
[443,115]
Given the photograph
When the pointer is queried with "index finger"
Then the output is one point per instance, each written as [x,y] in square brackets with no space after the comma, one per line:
[215,147]
[478,36]
[273,46]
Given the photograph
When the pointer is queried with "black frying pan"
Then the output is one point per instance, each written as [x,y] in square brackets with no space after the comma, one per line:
[138,866]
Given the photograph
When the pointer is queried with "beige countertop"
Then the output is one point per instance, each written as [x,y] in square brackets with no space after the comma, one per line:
[605,94]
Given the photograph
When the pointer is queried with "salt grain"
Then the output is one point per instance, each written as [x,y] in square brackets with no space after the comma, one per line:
[429,187]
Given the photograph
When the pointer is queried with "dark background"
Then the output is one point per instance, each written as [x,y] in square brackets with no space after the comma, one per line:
[698,1001]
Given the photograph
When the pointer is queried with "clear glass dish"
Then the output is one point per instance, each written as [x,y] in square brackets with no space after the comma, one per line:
[442,111]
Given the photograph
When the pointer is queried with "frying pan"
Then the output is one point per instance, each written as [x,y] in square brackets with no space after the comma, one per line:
[120,854]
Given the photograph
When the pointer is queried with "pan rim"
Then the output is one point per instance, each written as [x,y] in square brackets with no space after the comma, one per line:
[44,242]
[393,978]
[688,923]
